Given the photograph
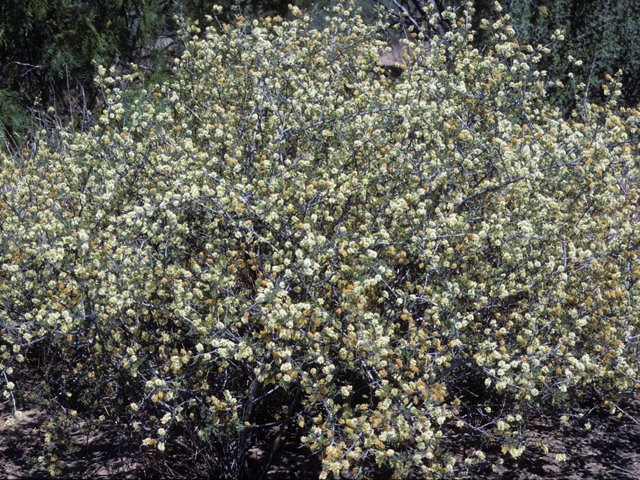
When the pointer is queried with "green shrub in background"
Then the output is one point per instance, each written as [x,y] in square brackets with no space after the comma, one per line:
[61,41]
[602,36]
[14,119]
[50,49]
[281,238]
[47,44]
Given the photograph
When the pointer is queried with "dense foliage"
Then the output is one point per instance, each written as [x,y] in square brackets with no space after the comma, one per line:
[281,237]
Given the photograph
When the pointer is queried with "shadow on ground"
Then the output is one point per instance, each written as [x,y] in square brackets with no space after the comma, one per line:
[609,450]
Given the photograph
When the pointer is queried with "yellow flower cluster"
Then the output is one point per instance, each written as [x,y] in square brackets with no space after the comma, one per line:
[283,235]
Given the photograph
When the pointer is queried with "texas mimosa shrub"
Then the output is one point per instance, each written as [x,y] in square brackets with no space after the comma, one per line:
[281,237]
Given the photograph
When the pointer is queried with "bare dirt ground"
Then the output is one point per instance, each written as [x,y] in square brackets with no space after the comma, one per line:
[609,450]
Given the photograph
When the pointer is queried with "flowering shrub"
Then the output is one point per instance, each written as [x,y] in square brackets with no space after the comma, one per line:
[281,237]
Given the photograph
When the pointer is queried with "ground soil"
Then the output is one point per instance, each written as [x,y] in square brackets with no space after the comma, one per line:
[609,450]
